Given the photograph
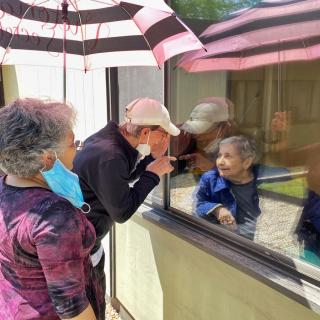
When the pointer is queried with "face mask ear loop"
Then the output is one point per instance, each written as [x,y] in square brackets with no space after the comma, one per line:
[86,205]
[148,137]
[219,131]
[44,167]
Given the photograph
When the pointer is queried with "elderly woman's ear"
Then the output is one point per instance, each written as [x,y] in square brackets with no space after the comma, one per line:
[48,160]
[247,163]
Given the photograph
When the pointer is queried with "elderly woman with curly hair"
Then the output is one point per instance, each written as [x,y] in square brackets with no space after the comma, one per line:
[45,239]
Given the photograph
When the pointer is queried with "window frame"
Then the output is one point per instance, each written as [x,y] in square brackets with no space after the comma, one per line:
[267,267]
[276,264]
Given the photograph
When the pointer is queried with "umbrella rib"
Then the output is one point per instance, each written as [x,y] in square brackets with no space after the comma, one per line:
[155,58]
[8,46]
[82,35]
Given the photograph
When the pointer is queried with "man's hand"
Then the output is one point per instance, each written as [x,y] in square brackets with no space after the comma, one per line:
[160,148]
[161,166]
[280,122]
[225,217]
[197,160]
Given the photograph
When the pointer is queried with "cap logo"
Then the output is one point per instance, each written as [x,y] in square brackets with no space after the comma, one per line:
[126,114]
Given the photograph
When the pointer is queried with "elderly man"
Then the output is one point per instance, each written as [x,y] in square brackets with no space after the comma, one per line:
[116,156]
[210,121]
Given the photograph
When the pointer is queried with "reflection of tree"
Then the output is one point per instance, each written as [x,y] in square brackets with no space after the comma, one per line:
[209,9]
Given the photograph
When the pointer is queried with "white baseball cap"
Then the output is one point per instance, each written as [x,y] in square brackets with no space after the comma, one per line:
[149,112]
[204,115]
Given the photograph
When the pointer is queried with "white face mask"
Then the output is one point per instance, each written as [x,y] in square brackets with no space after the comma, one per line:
[144,148]
[213,146]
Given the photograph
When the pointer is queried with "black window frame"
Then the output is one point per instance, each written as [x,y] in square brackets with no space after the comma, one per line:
[275,264]
[276,270]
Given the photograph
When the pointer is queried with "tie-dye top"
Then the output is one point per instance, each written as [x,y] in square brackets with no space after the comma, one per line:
[45,267]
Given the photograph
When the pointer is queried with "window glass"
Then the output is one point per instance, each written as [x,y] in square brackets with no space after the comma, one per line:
[249,149]
[132,86]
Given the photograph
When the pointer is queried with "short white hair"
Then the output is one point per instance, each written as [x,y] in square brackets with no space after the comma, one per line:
[245,146]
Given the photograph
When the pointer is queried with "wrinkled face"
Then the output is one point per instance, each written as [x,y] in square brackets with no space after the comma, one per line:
[229,163]
[69,152]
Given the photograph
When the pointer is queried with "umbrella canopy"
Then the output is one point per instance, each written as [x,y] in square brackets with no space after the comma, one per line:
[94,33]
[271,32]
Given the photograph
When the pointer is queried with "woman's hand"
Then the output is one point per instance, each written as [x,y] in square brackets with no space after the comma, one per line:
[225,217]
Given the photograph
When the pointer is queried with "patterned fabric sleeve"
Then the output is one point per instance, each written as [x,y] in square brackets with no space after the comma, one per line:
[58,240]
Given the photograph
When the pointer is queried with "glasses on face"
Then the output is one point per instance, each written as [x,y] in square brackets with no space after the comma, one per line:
[163,132]
[78,144]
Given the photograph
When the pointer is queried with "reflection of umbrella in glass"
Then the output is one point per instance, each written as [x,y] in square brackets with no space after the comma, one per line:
[271,32]
[94,33]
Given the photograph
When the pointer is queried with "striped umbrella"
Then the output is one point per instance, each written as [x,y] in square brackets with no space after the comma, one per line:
[268,33]
[94,33]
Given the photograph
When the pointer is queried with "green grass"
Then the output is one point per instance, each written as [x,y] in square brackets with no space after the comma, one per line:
[294,188]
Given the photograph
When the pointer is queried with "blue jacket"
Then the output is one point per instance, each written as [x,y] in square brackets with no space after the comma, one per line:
[215,191]
[310,218]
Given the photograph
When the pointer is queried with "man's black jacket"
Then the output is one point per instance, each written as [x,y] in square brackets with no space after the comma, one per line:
[106,165]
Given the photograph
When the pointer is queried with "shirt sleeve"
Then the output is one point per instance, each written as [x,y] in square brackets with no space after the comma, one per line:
[111,185]
[58,238]
[141,167]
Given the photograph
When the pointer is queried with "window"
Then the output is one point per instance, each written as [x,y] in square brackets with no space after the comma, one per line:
[133,85]
[2,102]
[276,108]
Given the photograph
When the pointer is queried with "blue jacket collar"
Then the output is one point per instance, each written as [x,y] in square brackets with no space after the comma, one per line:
[222,183]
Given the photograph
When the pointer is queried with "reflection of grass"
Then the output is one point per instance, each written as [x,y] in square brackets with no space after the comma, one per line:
[294,188]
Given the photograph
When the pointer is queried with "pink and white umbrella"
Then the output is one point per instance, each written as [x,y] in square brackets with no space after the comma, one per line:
[91,33]
[271,32]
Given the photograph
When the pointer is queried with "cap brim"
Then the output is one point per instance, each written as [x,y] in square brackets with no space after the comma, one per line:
[171,129]
[196,126]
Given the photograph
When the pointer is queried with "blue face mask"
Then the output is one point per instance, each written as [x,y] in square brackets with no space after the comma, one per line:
[65,183]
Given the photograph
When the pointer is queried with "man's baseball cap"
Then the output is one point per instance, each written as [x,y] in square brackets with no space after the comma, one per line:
[150,112]
[205,115]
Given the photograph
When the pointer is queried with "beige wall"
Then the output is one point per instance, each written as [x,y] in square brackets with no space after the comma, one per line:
[161,277]
[10,83]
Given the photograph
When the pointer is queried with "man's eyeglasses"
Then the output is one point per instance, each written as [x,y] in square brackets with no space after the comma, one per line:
[163,132]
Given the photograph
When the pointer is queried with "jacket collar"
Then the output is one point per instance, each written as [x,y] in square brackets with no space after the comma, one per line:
[223,183]
[131,153]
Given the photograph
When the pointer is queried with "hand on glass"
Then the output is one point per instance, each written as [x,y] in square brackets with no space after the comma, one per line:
[197,160]
[161,147]
[280,122]
[225,217]
[161,166]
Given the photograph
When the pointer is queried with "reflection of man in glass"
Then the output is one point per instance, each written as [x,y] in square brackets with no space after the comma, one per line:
[209,122]
[228,194]
[308,228]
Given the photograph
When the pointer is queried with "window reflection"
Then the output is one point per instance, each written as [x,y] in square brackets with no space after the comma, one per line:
[280,112]
[210,121]
[277,106]
[228,194]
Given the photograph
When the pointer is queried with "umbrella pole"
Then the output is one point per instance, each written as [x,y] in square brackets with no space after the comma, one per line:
[64,6]
[64,68]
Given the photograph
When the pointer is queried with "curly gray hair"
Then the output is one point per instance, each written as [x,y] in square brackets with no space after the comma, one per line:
[245,146]
[28,128]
